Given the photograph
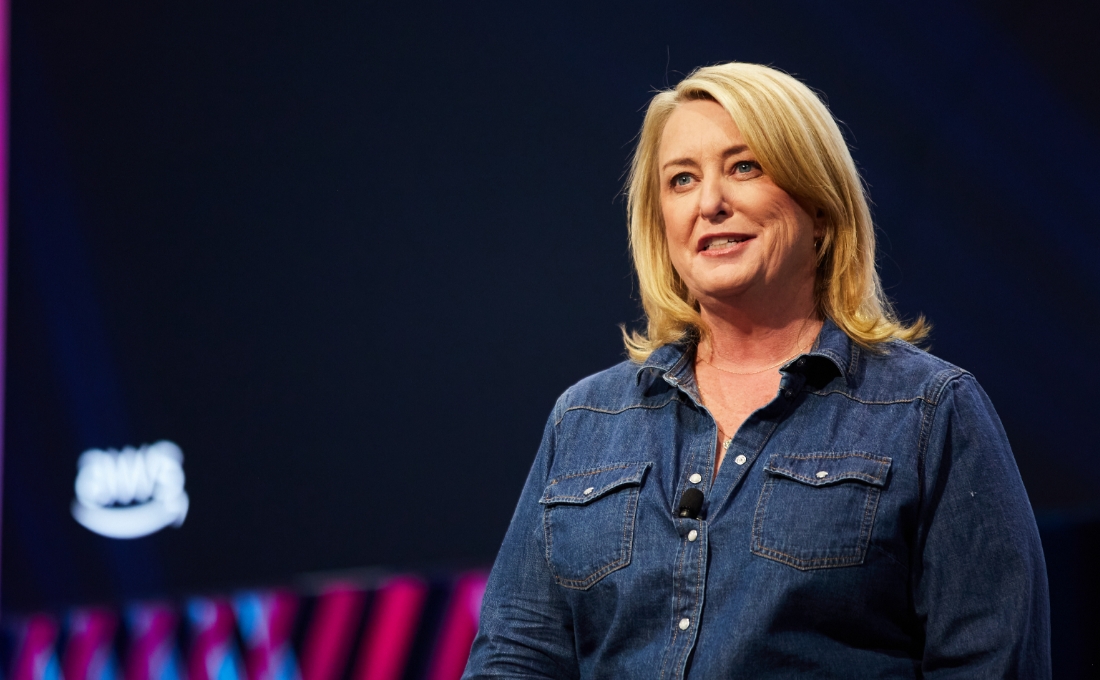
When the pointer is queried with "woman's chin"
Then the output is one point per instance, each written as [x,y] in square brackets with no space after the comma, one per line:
[725,290]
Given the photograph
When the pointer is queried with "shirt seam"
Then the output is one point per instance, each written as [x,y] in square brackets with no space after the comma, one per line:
[613,412]
[944,379]
[872,402]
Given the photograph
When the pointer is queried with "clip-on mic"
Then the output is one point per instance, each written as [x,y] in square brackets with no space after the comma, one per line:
[691,503]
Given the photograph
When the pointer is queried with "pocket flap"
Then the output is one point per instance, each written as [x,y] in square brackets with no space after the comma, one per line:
[585,486]
[819,469]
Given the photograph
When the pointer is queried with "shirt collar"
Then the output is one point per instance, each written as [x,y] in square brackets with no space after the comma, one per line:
[664,359]
[832,345]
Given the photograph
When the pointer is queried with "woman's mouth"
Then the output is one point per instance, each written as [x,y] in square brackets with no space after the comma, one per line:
[724,242]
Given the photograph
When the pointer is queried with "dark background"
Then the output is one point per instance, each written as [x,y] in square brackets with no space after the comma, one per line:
[346,255]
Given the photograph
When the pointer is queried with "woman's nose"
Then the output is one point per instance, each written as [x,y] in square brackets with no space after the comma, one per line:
[714,204]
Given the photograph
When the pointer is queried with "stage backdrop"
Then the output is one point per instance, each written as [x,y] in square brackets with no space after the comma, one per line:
[293,286]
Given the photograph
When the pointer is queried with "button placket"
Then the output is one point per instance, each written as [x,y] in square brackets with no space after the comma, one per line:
[689,587]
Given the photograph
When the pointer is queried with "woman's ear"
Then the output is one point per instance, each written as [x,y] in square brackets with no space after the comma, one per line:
[819,224]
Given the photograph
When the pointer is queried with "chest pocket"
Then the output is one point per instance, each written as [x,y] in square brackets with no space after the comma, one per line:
[817,510]
[588,519]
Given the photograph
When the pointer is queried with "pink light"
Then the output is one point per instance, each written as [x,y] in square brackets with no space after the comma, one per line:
[213,647]
[389,635]
[268,643]
[331,633]
[152,642]
[89,647]
[35,650]
[459,628]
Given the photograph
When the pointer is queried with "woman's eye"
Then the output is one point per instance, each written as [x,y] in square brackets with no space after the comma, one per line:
[744,167]
[681,180]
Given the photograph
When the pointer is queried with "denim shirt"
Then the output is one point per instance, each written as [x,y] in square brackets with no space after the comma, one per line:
[868,522]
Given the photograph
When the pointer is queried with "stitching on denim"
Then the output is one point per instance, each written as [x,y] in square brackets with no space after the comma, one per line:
[883,467]
[833,477]
[855,556]
[670,653]
[591,579]
[626,546]
[677,582]
[691,460]
[761,512]
[678,668]
[934,392]
[869,510]
[841,560]
[592,471]
[548,539]
[635,479]
[748,463]
[942,380]
[679,655]
[868,402]
[744,469]
[837,359]
[939,385]
[819,455]
[799,563]
[623,560]
[922,445]
[700,551]
[614,412]
[805,564]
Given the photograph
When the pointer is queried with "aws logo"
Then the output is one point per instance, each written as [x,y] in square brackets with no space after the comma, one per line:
[132,492]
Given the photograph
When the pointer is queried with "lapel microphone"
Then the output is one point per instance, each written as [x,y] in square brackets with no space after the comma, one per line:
[690,504]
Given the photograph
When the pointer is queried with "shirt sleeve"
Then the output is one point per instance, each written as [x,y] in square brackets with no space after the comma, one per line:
[979,582]
[525,629]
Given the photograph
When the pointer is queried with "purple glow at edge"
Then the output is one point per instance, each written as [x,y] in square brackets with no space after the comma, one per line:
[4,81]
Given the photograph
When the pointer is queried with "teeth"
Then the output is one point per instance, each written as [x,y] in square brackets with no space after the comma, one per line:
[718,242]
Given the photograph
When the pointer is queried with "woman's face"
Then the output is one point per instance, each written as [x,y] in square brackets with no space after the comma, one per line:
[733,235]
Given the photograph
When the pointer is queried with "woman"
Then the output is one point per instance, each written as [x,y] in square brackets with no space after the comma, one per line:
[777,483]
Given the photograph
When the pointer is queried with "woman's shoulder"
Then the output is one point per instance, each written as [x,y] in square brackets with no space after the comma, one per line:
[624,386]
[896,369]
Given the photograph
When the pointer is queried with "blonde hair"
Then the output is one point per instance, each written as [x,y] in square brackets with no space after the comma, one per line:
[798,143]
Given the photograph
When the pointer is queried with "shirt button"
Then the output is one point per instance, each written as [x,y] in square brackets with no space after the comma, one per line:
[740,460]
[695,478]
[800,363]
[787,394]
[685,624]
[692,535]
[822,474]
[589,490]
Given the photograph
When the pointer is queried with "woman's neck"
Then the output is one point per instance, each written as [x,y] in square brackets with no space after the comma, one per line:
[738,338]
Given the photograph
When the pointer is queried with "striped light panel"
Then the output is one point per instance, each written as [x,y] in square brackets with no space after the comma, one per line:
[401,628]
